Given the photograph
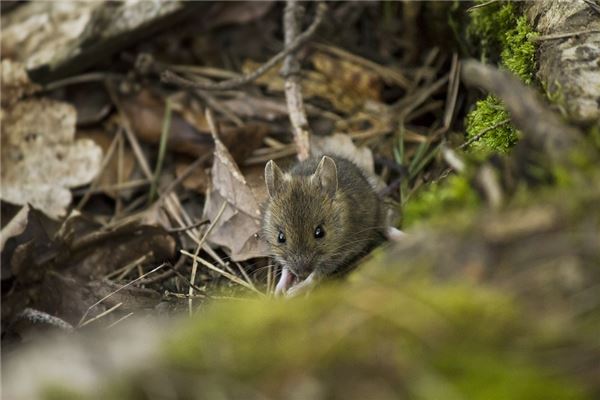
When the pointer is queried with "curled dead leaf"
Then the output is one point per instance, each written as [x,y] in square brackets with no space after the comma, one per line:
[239,224]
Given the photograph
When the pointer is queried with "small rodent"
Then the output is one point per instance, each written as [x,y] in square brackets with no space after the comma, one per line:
[319,219]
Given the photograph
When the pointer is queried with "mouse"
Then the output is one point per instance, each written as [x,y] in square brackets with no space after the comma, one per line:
[320,217]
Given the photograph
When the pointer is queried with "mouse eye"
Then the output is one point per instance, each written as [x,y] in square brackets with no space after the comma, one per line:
[281,237]
[319,232]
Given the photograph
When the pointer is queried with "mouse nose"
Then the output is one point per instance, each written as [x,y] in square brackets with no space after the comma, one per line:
[302,268]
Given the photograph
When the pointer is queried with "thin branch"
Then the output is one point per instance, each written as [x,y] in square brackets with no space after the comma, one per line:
[483,132]
[564,35]
[169,76]
[293,88]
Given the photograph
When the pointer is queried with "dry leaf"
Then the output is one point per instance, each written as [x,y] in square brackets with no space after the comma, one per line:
[352,77]
[240,222]
[346,85]
[342,145]
[40,158]
[189,130]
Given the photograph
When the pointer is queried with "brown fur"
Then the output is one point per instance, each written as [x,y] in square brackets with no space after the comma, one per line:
[338,197]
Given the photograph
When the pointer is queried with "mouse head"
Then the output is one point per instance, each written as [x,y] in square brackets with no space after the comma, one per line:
[303,218]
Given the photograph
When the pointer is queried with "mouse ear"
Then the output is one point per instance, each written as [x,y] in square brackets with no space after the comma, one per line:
[274,178]
[326,175]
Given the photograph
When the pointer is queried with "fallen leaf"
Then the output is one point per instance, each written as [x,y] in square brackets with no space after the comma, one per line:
[345,85]
[239,224]
[189,132]
[353,78]
[66,273]
[343,146]
[41,159]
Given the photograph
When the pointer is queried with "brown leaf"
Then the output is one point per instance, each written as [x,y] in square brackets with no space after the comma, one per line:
[189,132]
[342,145]
[351,77]
[345,85]
[146,112]
[240,222]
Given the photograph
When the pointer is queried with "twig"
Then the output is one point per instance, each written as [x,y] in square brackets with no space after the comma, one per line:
[169,76]
[199,246]
[226,274]
[102,314]
[487,3]
[187,228]
[293,89]
[186,280]
[478,136]
[124,317]
[593,5]
[563,35]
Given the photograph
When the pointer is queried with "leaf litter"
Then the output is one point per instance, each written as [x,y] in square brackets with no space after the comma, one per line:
[122,244]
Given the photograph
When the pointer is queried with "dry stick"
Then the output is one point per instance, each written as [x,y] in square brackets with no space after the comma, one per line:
[187,228]
[116,291]
[124,317]
[102,314]
[198,247]
[169,76]
[192,233]
[540,126]
[141,158]
[564,35]
[226,274]
[483,132]
[487,3]
[133,142]
[186,280]
[293,89]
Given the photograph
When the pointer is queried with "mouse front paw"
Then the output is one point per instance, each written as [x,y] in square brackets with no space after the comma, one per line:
[305,286]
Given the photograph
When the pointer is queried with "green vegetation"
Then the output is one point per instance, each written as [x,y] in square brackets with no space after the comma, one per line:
[438,198]
[504,36]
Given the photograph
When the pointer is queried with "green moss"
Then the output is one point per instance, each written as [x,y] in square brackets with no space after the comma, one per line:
[487,113]
[505,37]
[487,28]
[518,53]
[438,198]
